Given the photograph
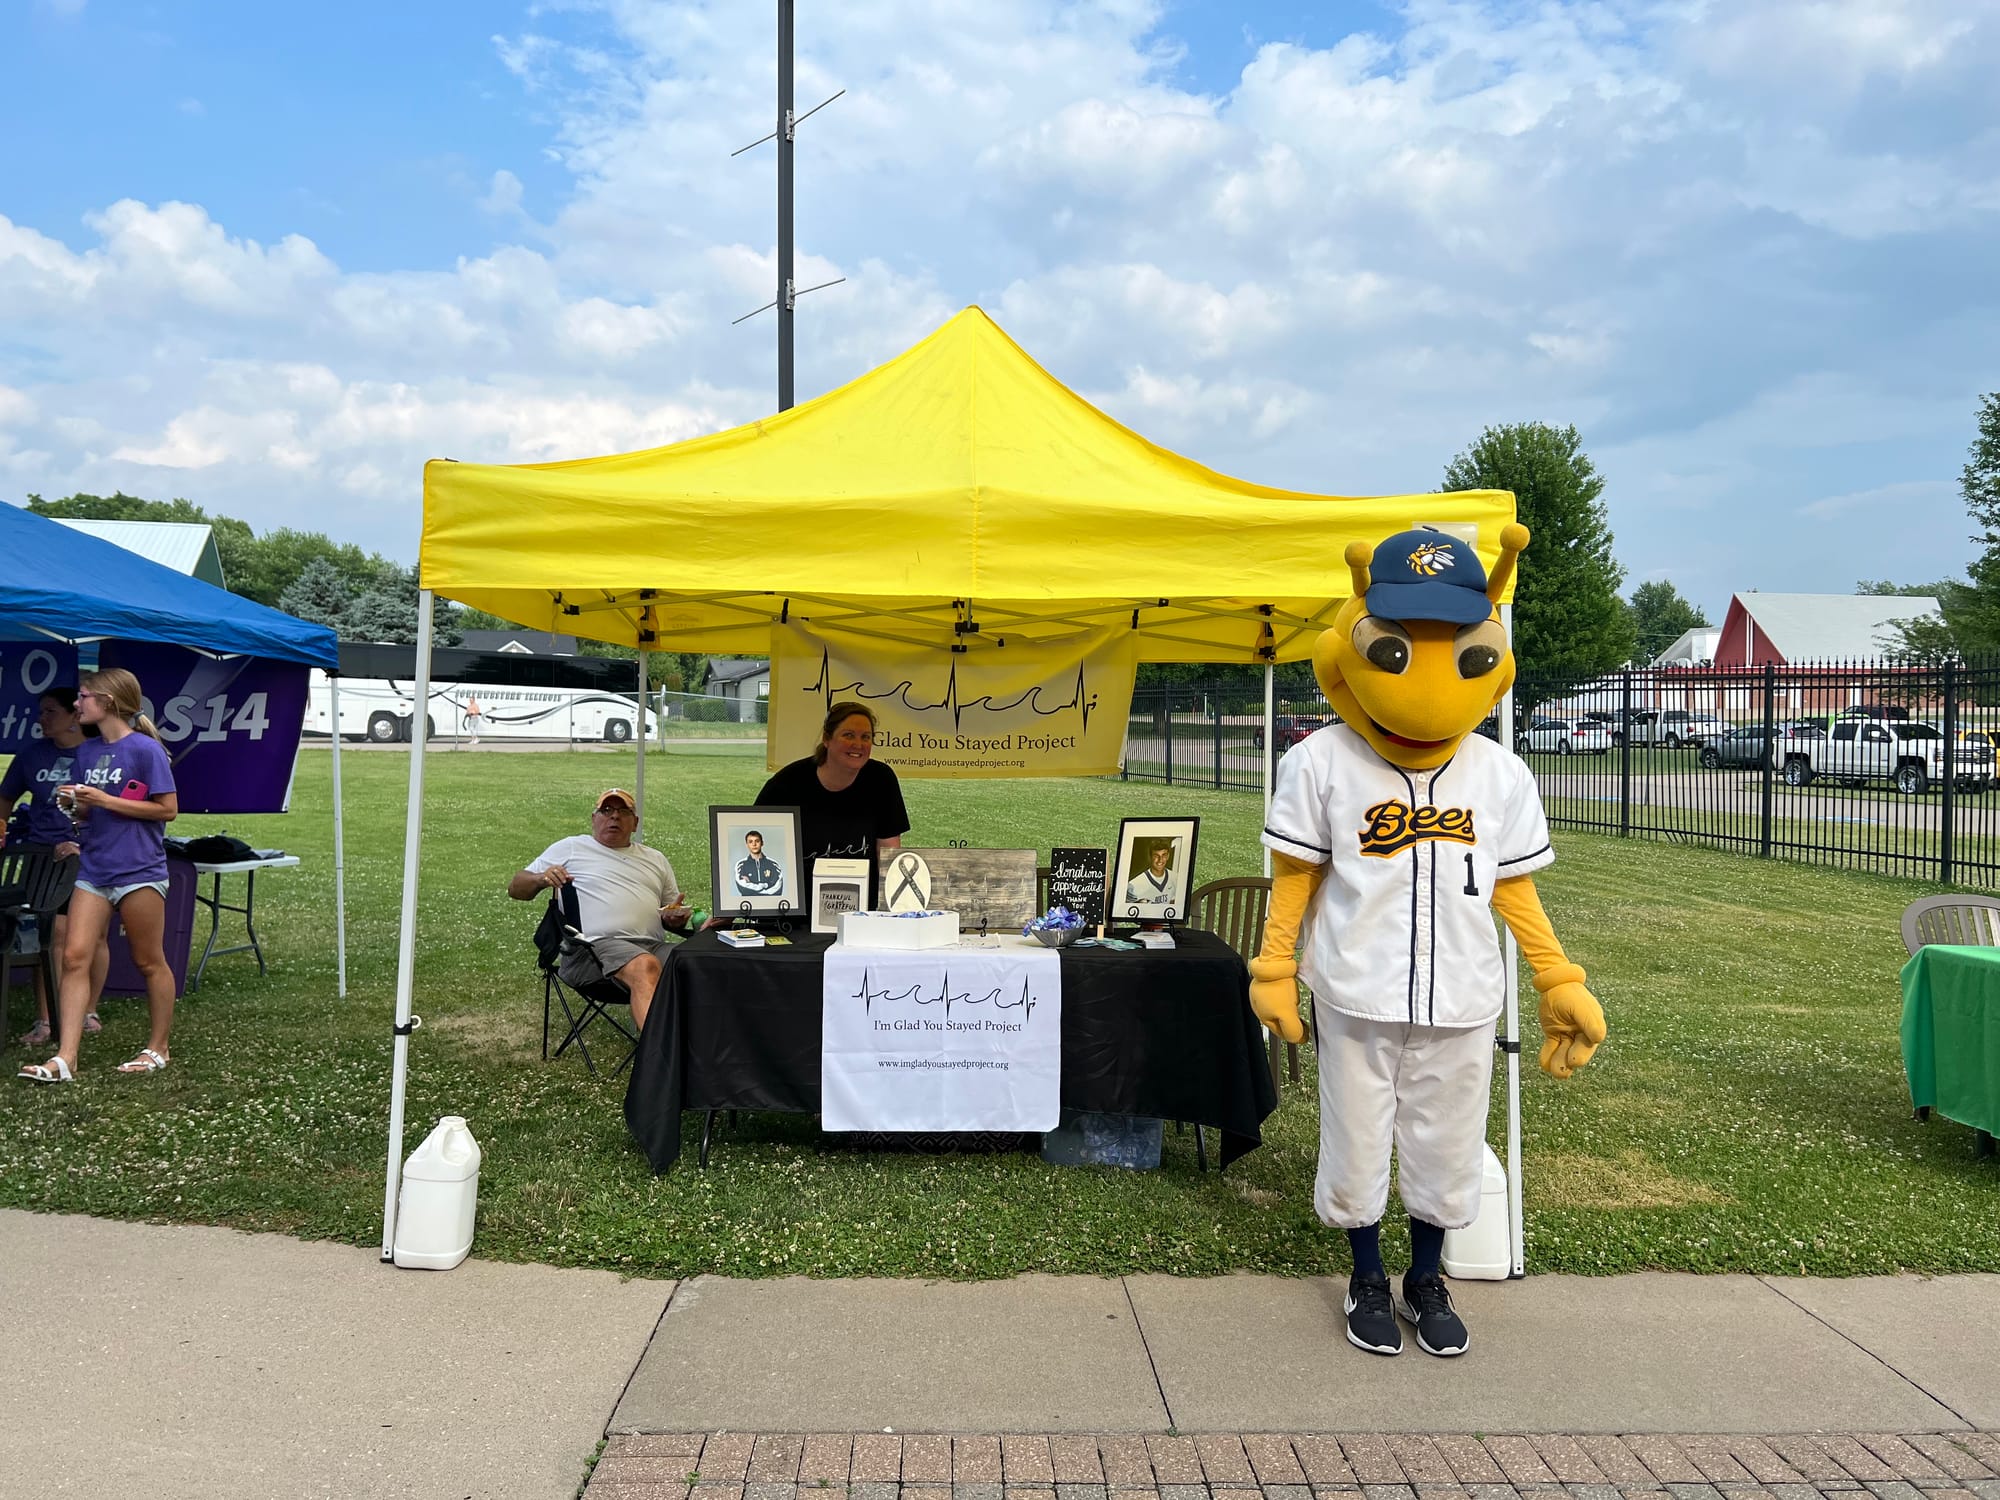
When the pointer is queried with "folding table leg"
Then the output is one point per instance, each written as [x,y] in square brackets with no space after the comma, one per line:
[707,1132]
[1982,1144]
[1200,1149]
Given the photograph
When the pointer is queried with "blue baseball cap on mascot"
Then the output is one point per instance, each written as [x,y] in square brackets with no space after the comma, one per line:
[1427,575]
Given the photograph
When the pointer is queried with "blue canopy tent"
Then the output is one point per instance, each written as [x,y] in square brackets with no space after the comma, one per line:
[64,585]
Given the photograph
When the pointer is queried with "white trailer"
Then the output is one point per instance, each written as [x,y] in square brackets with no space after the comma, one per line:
[383,709]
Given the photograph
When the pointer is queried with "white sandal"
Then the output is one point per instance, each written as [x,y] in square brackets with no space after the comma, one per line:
[55,1070]
[148,1061]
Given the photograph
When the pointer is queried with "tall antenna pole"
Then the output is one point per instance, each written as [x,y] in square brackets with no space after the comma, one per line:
[785,282]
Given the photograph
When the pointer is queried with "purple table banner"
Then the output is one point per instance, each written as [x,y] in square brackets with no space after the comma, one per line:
[231,725]
[27,670]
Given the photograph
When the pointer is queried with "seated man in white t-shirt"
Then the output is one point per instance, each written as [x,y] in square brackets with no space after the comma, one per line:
[626,894]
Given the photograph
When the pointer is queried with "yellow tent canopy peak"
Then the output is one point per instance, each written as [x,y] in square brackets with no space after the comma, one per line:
[960,482]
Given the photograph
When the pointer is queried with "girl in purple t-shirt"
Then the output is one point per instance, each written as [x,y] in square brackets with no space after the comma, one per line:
[46,764]
[123,797]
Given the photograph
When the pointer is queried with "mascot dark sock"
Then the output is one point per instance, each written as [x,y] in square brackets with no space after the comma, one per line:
[1426,1248]
[1366,1242]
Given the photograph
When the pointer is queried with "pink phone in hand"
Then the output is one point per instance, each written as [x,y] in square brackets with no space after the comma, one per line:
[133,791]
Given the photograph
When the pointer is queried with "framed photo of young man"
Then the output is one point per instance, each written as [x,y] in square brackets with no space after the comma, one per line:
[1152,875]
[755,863]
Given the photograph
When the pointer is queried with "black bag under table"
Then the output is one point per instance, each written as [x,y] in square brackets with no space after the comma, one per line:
[1159,1032]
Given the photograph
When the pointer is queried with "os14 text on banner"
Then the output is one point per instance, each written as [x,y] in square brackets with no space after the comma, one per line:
[27,671]
[231,724]
[1030,708]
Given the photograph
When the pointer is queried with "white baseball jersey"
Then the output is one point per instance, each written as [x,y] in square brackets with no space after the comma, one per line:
[1401,928]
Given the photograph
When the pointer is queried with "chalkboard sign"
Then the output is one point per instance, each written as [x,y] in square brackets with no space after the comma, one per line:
[1076,880]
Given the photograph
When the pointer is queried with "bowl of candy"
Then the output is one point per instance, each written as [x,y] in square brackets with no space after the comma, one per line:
[1059,926]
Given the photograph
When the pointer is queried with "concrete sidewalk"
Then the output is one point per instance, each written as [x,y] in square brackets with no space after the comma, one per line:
[171,1361]
[176,1361]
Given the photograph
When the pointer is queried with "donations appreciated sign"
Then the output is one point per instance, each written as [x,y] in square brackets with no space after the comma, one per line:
[27,670]
[1076,880]
[231,724]
[1023,709]
[942,1039]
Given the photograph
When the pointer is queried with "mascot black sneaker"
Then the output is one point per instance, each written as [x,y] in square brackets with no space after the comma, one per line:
[1427,1304]
[1371,1315]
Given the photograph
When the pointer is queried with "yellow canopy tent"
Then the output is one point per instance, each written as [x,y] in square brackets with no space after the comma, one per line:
[959,477]
[960,482]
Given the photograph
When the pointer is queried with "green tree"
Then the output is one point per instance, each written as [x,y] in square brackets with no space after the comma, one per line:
[319,594]
[1661,615]
[388,612]
[1568,618]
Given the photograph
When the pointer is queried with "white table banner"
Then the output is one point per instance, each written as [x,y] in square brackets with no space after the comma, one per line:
[943,1039]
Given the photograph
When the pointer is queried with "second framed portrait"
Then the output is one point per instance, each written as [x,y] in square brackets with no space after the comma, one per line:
[755,860]
[1154,869]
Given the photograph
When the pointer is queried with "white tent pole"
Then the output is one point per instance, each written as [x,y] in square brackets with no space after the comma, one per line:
[339,846]
[639,739]
[406,939]
[1270,752]
[1517,1242]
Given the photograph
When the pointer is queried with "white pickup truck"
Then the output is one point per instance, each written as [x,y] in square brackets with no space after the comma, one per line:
[1910,754]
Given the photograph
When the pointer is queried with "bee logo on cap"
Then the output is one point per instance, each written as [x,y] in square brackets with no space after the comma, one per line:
[1430,559]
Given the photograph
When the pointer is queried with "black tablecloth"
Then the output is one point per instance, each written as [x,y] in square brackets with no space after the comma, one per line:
[1166,1033]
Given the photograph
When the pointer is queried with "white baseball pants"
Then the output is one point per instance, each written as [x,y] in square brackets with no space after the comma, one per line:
[1419,1089]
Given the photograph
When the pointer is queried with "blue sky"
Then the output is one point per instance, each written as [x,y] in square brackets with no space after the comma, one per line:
[271,258]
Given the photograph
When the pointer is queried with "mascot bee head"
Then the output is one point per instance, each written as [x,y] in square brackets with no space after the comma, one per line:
[1415,661]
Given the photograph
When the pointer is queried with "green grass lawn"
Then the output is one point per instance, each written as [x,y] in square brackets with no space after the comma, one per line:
[1748,1114]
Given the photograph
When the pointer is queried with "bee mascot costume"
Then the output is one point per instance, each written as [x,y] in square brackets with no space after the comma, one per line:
[1394,836]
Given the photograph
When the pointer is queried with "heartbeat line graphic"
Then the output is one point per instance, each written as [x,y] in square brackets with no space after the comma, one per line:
[945,996]
[1081,700]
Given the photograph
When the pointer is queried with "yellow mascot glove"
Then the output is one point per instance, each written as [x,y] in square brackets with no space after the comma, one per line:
[1274,986]
[1274,996]
[1572,1020]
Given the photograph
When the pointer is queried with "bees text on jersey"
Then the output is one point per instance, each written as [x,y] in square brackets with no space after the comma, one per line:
[1401,928]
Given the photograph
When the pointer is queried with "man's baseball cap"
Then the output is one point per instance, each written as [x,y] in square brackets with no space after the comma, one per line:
[615,794]
[1427,575]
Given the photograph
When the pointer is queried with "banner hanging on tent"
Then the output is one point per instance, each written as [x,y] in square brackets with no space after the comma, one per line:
[231,724]
[27,670]
[1030,708]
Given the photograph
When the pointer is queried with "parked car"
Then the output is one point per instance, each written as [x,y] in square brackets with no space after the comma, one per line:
[1671,728]
[1562,737]
[1876,711]
[1739,747]
[1290,729]
[1913,756]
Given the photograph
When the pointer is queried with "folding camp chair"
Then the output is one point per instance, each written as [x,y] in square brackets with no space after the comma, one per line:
[36,884]
[560,923]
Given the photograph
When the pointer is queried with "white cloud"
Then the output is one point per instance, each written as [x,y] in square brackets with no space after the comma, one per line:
[1740,243]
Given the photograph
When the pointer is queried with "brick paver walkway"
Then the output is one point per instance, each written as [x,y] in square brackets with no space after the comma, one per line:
[1206,1466]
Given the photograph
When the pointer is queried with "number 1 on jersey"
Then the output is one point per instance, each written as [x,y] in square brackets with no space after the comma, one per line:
[1471,882]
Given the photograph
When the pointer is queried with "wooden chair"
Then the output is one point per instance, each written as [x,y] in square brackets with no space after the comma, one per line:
[1961,921]
[1234,910]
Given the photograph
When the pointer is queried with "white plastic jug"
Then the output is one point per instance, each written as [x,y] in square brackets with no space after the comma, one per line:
[1478,1252]
[439,1196]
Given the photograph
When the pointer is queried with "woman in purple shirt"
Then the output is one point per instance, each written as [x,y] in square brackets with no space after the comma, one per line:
[37,771]
[122,797]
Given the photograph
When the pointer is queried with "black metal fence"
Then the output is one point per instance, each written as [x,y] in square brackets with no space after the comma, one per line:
[1863,765]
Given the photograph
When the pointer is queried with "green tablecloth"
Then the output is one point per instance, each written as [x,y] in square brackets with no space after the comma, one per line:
[1951,1033]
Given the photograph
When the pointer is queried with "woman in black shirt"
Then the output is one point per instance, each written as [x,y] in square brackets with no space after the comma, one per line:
[850,806]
